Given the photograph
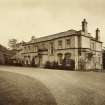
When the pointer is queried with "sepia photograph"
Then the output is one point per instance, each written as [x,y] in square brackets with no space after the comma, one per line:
[52,52]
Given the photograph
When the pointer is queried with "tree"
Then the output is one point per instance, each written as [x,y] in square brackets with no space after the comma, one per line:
[12,43]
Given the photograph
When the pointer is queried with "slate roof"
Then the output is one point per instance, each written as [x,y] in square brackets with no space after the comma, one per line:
[59,35]
[54,36]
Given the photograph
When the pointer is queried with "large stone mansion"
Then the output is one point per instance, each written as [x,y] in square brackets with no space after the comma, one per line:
[80,46]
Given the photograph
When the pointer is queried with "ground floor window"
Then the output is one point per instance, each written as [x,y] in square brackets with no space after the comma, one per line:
[67,59]
[60,58]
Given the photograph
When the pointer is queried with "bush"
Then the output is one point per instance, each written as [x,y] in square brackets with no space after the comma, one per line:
[33,63]
[54,65]
[63,66]
[68,66]
[51,65]
[48,65]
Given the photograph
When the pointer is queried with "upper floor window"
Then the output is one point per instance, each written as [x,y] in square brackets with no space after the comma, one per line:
[51,48]
[35,48]
[28,47]
[25,48]
[68,42]
[25,57]
[60,43]
[92,46]
[44,46]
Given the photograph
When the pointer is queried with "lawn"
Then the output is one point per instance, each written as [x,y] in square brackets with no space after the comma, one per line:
[64,87]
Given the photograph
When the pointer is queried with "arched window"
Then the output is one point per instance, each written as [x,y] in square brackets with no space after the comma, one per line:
[67,56]
[60,58]
[67,59]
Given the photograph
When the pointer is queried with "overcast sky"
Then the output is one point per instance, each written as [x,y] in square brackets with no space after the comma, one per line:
[22,19]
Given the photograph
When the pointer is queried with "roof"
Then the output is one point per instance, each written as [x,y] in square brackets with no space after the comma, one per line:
[54,36]
[4,50]
[59,35]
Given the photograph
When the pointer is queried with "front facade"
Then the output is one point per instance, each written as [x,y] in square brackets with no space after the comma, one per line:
[78,46]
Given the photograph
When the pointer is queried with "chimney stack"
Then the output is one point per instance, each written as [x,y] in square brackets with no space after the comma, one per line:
[84,26]
[97,34]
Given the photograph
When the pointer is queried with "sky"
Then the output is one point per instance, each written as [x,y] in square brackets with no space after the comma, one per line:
[22,19]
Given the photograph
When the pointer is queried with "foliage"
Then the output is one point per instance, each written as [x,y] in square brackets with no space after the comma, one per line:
[33,63]
[48,64]
[54,65]
[63,66]
[68,65]
[12,43]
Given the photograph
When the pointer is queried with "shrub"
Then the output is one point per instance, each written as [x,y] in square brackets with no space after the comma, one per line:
[54,65]
[68,66]
[48,64]
[64,66]
[33,63]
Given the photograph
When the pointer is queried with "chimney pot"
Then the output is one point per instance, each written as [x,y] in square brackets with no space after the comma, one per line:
[84,26]
[97,34]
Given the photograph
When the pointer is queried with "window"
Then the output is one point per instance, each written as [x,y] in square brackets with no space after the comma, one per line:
[51,48]
[89,55]
[60,43]
[25,57]
[60,58]
[68,42]
[28,56]
[32,48]
[67,56]
[29,48]
[44,46]
[24,48]
[92,46]
[99,59]
[35,48]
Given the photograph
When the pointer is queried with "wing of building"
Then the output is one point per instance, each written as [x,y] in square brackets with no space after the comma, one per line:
[5,55]
[78,46]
